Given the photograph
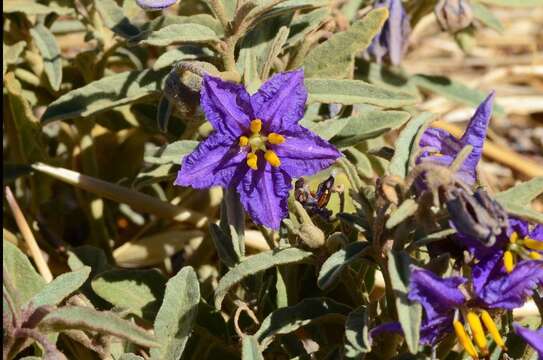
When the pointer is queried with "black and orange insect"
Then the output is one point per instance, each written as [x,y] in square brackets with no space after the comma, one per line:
[315,202]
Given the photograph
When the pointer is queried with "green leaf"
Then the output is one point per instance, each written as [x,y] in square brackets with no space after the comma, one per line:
[334,265]
[50,52]
[138,291]
[407,143]
[409,313]
[361,161]
[21,274]
[517,200]
[103,322]
[61,287]
[233,221]
[290,319]
[349,92]
[369,125]
[325,129]
[223,244]
[187,52]
[173,153]
[31,8]
[453,90]
[249,349]
[115,19]
[406,209]
[357,340]
[130,356]
[254,264]
[303,24]
[486,16]
[11,54]
[181,33]
[334,58]
[105,94]
[174,321]
[163,113]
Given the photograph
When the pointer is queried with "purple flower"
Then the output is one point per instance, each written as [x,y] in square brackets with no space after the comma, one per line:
[445,147]
[257,146]
[439,298]
[155,4]
[533,337]
[393,38]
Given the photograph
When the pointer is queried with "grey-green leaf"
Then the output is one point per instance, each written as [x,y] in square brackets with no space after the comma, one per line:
[173,153]
[104,322]
[61,287]
[181,33]
[22,275]
[357,340]
[138,291]
[50,52]
[486,16]
[406,143]
[406,209]
[130,356]
[249,348]
[175,319]
[289,319]
[11,54]
[409,313]
[105,94]
[349,92]
[334,265]
[517,200]
[369,125]
[254,264]
[223,244]
[115,19]
[332,58]
[325,129]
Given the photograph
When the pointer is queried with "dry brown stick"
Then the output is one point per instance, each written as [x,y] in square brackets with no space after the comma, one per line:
[498,153]
[28,236]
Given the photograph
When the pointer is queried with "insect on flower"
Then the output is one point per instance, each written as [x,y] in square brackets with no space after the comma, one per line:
[257,146]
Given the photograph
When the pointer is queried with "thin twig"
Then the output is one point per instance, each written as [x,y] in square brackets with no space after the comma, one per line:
[28,236]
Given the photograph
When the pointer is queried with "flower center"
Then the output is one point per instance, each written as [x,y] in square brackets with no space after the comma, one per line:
[477,333]
[257,142]
[526,248]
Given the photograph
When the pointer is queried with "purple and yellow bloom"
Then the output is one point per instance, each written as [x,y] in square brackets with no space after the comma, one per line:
[151,5]
[391,42]
[257,147]
[532,337]
[490,288]
[442,147]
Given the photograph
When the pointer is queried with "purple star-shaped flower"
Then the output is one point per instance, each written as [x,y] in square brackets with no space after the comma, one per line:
[257,146]
[533,337]
[445,147]
[393,38]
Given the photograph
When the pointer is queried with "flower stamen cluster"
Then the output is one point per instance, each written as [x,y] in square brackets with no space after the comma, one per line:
[526,248]
[257,142]
[477,333]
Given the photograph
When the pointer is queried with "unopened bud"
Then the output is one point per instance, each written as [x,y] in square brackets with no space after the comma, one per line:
[453,15]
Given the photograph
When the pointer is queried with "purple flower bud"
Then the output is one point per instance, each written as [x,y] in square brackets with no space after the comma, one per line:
[391,43]
[151,5]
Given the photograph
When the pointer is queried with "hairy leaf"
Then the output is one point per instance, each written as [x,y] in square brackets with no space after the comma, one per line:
[175,319]
[115,19]
[61,287]
[334,265]
[357,341]
[249,349]
[254,264]
[50,52]
[181,33]
[406,209]
[517,200]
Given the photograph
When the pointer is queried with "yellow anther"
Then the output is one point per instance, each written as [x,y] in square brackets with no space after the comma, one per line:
[464,339]
[272,158]
[508,261]
[256,126]
[533,244]
[252,161]
[535,255]
[477,332]
[275,139]
[490,325]
[243,141]
[513,238]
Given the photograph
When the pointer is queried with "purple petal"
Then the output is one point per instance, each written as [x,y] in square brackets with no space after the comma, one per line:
[155,4]
[227,106]
[509,291]
[264,194]
[537,233]
[534,338]
[476,133]
[213,163]
[437,295]
[280,101]
[488,268]
[389,327]
[434,330]
[304,153]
